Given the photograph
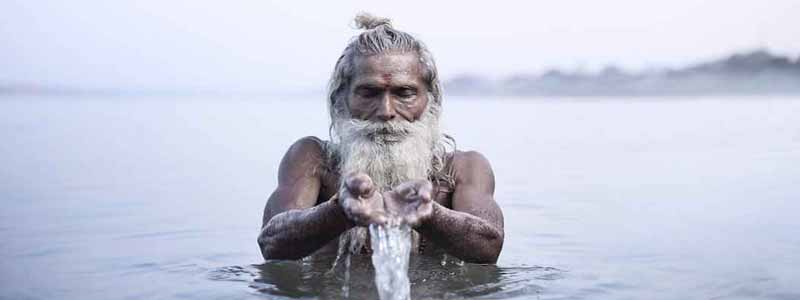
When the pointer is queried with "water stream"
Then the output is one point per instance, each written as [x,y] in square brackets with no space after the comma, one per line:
[391,246]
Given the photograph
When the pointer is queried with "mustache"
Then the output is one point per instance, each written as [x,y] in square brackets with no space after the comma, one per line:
[372,130]
[398,130]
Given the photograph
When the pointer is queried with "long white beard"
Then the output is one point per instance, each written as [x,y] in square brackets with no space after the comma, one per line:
[389,152]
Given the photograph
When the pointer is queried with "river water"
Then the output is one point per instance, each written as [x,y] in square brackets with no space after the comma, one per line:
[161,198]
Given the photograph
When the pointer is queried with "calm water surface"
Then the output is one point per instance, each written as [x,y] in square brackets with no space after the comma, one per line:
[161,198]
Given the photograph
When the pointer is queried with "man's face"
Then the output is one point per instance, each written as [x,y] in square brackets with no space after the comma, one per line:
[387,87]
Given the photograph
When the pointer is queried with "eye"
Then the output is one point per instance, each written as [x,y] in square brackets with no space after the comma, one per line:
[405,92]
[368,92]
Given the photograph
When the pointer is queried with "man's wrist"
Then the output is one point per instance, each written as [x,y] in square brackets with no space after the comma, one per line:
[336,205]
[436,210]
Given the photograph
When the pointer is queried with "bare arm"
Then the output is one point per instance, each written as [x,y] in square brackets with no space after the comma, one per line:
[293,227]
[473,229]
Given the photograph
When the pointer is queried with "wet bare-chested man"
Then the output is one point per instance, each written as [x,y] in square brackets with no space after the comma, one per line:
[387,159]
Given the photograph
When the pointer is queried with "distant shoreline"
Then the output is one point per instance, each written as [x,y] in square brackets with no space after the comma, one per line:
[754,73]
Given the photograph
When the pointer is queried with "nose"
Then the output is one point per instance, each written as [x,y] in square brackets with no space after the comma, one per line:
[386,110]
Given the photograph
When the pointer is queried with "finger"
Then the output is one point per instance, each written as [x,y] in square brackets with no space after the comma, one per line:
[416,188]
[425,190]
[406,189]
[359,184]
[353,212]
[380,219]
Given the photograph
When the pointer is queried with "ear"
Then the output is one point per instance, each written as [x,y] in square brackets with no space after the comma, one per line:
[339,104]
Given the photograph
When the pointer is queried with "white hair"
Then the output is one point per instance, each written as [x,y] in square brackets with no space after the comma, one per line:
[378,37]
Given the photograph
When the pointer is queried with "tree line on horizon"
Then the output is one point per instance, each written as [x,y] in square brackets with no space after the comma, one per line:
[751,73]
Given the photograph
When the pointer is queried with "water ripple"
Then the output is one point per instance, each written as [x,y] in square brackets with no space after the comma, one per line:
[430,279]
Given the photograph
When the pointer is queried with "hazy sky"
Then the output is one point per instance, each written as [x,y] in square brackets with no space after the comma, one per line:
[290,45]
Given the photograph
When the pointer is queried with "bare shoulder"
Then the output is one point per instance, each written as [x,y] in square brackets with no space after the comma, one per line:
[474,189]
[303,159]
[472,168]
[308,145]
[298,179]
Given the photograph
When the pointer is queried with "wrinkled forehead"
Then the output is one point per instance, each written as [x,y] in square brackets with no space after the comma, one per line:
[388,68]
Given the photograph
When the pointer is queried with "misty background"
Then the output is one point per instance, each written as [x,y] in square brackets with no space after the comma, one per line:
[275,46]
[140,140]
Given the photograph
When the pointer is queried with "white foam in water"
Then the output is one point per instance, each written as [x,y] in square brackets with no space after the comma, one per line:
[391,246]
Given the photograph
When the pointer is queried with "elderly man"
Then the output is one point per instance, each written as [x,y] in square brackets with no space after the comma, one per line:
[386,161]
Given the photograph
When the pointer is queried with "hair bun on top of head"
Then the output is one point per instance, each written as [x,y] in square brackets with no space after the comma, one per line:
[368,21]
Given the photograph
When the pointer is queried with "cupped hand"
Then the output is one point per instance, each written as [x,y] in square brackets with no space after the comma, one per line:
[361,203]
[410,203]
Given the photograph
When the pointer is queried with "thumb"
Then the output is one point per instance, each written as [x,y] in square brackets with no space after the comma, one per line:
[359,184]
[425,190]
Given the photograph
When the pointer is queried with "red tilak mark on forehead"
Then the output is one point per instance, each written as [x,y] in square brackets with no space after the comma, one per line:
[387,77]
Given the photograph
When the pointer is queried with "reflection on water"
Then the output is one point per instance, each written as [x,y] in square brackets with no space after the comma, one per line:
[430,279]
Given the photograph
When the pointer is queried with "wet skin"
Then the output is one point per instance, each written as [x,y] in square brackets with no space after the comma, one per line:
[308,210]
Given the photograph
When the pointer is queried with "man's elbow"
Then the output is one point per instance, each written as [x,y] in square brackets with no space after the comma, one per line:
[489,252]
[267,251]
[271,251]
